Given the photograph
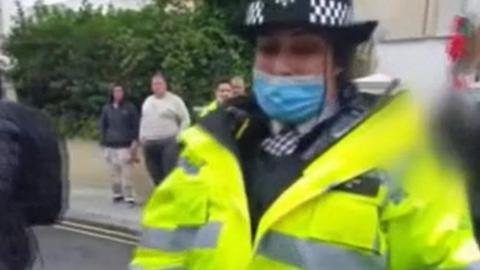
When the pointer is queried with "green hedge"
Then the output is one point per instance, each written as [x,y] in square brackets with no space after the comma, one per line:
[65,59]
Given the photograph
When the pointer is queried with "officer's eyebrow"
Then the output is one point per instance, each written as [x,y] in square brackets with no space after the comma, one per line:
[299,32]
[307,35]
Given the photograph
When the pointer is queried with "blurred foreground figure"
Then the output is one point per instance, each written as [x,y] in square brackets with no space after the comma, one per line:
[459,123]
[30,182]
[314,172]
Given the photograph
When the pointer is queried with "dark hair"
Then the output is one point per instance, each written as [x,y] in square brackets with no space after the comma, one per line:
[112,87]
[343,55]
[159,74]
[219,81]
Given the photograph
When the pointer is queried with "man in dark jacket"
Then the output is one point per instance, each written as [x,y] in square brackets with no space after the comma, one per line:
[119,129]
[31,182]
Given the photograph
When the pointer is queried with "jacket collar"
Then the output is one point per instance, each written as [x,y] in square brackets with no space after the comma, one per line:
[225,122]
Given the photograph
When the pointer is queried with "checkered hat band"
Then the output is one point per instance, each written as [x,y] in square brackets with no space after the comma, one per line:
[315,12]
[330,12]
[255,14]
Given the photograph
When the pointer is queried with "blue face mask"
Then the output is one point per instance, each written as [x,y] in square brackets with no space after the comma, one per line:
[289,99]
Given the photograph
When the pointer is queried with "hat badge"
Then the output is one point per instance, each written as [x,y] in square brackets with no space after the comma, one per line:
[284,3]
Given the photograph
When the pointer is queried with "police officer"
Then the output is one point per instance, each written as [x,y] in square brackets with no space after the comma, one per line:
[313,172]
[223,93]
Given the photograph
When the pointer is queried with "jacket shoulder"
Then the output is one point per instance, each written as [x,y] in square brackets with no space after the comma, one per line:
[147,100]
[176,98]
[378,84]
[7,127]
[130,106]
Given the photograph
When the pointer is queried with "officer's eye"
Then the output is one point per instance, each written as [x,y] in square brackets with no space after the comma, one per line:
[308,46]
[268,47]
[304,49]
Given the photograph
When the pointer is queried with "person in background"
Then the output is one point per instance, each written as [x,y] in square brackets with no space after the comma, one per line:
[119,133]
[238,86]
[164,115]
[32,185]
[312,172]
[223,93]
[458,121]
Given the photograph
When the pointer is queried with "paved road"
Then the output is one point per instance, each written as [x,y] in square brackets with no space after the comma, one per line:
[65,250]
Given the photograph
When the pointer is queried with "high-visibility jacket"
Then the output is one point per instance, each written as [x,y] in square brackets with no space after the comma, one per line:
[212,106]
[414,218]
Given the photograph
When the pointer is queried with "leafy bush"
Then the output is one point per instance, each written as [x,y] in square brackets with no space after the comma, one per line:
[65,59]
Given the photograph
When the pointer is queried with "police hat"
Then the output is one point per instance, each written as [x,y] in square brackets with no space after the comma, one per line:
[331,17]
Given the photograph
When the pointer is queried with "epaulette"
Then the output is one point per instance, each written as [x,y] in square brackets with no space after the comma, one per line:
[378,84]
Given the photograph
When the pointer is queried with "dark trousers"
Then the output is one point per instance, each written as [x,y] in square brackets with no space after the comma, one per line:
[160,158]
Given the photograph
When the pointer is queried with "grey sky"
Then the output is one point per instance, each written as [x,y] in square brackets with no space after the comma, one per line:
[30,2]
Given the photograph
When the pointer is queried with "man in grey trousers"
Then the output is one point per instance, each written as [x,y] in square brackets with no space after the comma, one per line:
[164,115]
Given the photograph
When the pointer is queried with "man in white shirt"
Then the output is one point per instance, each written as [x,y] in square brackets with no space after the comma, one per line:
[164,115]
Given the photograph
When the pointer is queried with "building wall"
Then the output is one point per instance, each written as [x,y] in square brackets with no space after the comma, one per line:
[473,5]
[399,18]
[413,39]
[443,12]
[420,64]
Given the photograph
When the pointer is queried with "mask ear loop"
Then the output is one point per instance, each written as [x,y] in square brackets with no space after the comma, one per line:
[329,80]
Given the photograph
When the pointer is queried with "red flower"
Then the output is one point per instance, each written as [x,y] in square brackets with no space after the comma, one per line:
[456,47]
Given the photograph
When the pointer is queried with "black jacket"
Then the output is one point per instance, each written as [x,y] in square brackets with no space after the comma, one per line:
[31,180]
[119,127]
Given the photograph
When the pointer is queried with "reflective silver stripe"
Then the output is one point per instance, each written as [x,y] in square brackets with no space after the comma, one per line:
[473,266]
[136,267]
[312,255]
[182,238]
